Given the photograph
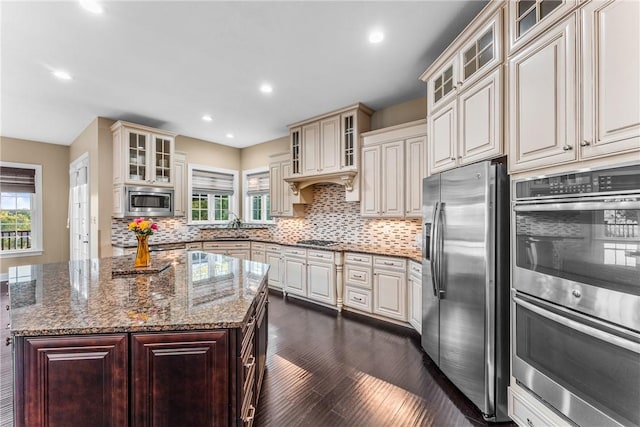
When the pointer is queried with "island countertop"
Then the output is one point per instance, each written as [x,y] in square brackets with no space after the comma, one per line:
[194,291]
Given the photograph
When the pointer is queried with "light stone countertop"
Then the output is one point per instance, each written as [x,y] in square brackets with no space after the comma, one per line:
[197,291]
[411,254]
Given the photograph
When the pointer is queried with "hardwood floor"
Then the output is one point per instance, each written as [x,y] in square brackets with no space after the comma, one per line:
[325,369]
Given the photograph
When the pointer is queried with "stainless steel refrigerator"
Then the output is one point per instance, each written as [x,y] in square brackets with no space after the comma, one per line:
[465,282]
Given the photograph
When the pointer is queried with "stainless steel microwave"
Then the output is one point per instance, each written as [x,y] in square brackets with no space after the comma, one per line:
[149,201]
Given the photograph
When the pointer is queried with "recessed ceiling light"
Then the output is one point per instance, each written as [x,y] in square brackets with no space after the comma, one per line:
[229,135]
[92,6]
[376,36]
[61,75]
[207,118]
[266,88]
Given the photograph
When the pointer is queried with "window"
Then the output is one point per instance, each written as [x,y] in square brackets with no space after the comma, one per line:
[20,209]
[257,202]
[213,194]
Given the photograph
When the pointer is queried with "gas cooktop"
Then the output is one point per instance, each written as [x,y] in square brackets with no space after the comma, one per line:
[315,242]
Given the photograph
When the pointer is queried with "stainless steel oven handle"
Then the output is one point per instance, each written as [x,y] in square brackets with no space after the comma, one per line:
[578,206]
[432,247]
[581,327]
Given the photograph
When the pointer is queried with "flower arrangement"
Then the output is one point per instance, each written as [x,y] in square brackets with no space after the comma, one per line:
[143,227]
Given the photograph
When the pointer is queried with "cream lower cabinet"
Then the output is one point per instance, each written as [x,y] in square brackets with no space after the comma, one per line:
[358,281]
[542,102]
[241,250]
[389,287]
[258,252]
[610,78]
[273,257]
[414,287]
[321,276]
[295,271]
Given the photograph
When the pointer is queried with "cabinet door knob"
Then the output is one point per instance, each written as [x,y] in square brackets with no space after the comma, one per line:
[453,159]
[567,148]
[585,143]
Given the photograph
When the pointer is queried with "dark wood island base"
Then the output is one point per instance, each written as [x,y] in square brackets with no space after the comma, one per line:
[191,377]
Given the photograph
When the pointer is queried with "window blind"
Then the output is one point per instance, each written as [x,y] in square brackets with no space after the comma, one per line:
[212,182]
[258,183]
[17,180]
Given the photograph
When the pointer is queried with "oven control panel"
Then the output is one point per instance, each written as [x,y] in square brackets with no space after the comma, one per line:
[584,182]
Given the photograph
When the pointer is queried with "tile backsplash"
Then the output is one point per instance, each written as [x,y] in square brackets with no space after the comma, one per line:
[329,217]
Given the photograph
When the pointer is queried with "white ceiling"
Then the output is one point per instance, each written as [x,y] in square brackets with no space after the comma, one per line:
[166,64]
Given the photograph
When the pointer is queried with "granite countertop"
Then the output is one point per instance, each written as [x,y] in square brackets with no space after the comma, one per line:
[412,254]
[195,291]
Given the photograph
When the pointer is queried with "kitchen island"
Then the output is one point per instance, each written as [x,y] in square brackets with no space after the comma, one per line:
[97,342]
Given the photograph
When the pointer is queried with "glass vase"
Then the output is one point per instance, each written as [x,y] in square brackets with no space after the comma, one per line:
[143,258]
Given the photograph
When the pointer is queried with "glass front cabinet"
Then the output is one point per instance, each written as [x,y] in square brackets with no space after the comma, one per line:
[142,155]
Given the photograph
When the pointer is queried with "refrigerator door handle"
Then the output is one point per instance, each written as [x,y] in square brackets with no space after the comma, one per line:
[432,248]
[438,250]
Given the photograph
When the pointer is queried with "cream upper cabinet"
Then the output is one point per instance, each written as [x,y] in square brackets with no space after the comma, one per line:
[465,95]
[142,155]
[370,181]
[530,18]
[542,103]
[328,144]
[391,181]
[180,184]
[610,78]
[310,148]
[416,171]
[443,139]
[282,200]
[480,119]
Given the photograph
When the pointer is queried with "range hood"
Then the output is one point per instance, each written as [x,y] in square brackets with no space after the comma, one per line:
[345,178]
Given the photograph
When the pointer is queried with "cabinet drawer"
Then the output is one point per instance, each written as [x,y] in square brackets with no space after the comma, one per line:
[358,298]
[524,414]
[273,248]
[355,258]
[357,275]
[226,245]
[391,263]
[295,252]
[320,255]
[194,245]
[415,269]
[258,246]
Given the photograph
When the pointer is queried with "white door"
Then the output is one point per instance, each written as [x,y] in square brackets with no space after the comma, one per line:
[443,138]
[321,282]
[295,276]
[79,220]
[275,272]
[392,180]
[389,294]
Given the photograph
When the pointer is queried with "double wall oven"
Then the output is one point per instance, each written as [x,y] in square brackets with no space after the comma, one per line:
[576,280]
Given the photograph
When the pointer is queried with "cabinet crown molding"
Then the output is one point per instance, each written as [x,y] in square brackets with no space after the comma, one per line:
[357,106]
[122,123]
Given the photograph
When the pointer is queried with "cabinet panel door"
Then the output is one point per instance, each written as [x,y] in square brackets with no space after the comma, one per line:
[370,181]
[611,77]
[389,294]
[180,379]
[310,148]
[286,200]
[138,146]
[180,184]
[275,270]
[480,119]
[443,138]
[295,276]
[321,282]
[542,100]
[392,185]
[416,170]
[275,189]
[74,381]
[330,144]
[415,289]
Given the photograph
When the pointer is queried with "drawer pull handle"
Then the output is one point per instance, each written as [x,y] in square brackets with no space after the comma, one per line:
[389,263]
[357,276]
[8,341]
[252,361]
[357,299]
[252,414]
[530,422]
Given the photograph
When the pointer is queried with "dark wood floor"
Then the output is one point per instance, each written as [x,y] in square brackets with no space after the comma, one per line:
[325,369]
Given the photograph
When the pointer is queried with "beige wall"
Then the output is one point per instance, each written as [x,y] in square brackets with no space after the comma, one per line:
[258,155]
[409,111]
[207,153]
[55,196]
